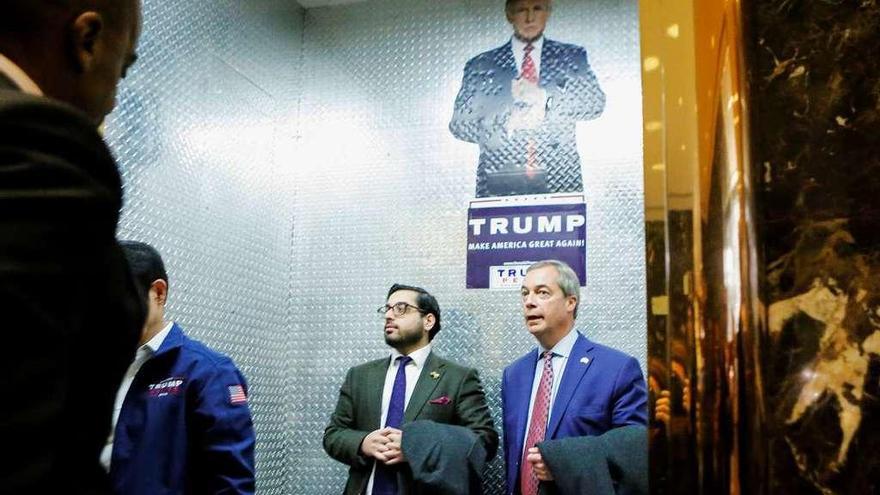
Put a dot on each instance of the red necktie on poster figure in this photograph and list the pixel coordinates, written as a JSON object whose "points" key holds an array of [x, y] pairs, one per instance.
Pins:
{"points": [[537, 426], [530, 74]]}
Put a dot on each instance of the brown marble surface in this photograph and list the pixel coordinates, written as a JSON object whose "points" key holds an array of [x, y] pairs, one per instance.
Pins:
{"points": [[815, 82]]}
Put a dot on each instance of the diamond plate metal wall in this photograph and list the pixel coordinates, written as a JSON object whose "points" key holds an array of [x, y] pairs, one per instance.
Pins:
{"points": [[383, 193], [292, 165], [204, 131]]}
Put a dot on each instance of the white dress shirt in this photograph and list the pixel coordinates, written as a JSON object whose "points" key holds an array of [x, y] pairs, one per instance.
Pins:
{"points": [[143, 354], [412, 371], [518, 48], [18, 77], [561, 352]]}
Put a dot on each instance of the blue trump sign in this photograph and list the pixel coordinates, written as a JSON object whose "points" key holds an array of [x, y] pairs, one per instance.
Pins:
{"points": [[505, 237]]}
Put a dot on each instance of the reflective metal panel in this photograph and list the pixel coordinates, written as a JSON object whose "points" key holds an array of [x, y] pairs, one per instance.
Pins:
{"points": [[291, 165], [382, 195], [203, 131]]}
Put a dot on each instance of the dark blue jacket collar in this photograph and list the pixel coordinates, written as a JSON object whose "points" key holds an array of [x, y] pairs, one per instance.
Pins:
{"points": [[175, 339]]}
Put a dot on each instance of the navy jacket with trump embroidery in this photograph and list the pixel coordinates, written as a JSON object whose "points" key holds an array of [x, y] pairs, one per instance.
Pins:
{"points": [[185, 426]]}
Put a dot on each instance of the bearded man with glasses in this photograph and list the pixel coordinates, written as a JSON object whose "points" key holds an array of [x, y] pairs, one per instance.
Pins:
{"points": [[379, 400]]}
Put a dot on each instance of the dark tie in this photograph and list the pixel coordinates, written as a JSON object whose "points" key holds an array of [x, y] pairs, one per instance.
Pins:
{"points": [[537, 426], [385, 481]]}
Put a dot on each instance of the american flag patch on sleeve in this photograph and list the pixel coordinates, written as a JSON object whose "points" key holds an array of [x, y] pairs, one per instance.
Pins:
{"points": [[236, 395]]}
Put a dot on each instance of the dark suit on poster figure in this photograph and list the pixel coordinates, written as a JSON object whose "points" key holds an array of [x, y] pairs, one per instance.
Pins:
{"points": [[527, 139], [71, 311]]}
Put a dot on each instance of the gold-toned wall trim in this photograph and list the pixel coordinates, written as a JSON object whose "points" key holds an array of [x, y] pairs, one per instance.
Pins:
{"points": [[704, 372]]}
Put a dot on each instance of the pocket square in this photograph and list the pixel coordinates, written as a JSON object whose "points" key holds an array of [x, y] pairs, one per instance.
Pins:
{"points": [[442, 400]]}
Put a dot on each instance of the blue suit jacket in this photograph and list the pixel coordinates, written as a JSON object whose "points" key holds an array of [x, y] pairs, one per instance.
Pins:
{"points": [[181, 429], [484, 105], [605, 392]]}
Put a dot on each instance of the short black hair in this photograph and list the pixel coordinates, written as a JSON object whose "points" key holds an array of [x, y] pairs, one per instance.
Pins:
{"points": [[425, 301], [146, 264]]}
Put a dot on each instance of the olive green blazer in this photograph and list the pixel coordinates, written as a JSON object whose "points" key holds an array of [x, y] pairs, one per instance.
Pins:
{"points": [[359, 408]]}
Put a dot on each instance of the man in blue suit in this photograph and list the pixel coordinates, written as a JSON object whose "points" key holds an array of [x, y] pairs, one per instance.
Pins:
{"points": [[568, 387], [520, 103]]}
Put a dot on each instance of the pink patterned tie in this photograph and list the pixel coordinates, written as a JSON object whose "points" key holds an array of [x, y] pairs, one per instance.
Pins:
{"points": [[537, 426], [529, 72]]}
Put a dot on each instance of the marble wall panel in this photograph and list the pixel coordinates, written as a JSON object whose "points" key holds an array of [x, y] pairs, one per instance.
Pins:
{"points": [[816, 118]]}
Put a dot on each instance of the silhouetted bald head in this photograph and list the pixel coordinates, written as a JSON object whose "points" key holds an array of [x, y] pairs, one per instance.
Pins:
{"points": [[75, 50]]}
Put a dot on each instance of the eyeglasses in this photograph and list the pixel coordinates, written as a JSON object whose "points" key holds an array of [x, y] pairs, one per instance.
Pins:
{"points": [[399, 309]]}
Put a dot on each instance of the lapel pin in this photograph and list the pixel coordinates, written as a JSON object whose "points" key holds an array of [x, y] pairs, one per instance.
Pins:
{"points": [[585, 360], [435, 375]]}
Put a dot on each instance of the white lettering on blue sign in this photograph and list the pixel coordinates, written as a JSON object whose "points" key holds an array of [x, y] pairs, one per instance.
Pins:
{"points": [[518, 226], [525, 225], [550, 224], [497, 226]]}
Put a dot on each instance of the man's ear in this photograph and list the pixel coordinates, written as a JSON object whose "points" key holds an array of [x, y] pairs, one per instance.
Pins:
{"points": [[160, 288], [429, 322], [85, 34], [571, 303]]}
